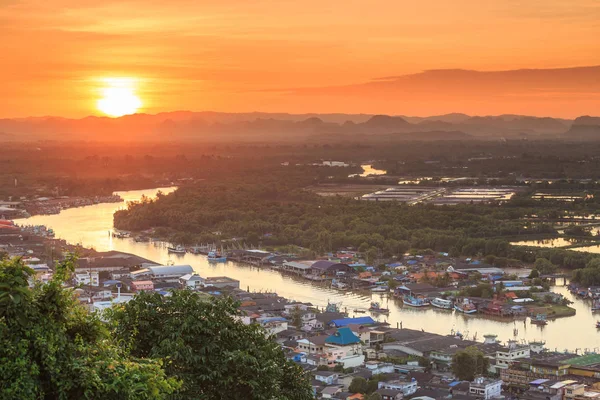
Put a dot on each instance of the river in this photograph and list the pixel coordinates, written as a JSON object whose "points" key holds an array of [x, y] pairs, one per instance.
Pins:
{"points": [[90, 226]]}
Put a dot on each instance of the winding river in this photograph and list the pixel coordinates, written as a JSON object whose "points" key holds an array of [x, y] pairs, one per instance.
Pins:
{"points": [[90, 227]]}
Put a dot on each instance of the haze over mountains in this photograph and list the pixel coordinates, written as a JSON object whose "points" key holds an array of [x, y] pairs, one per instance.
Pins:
{"points": [[210, 126]]}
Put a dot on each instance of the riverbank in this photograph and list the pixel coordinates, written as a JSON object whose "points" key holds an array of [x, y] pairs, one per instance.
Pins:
{"points": [[49, 206]]}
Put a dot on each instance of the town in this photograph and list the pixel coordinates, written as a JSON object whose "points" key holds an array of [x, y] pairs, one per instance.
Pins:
{"points": [[359, 356]]}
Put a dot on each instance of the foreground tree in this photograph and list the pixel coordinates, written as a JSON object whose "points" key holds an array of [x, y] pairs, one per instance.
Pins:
{"points": [[51, 348], [358, 385], [207, 348], [468, 363]]}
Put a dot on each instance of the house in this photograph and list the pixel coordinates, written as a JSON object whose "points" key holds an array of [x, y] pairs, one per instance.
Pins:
{"points": [[329, 268], [406, 387], [330, 392], [507, 355], [273, 325], [138, 286], [338, 323], [379, 367], [191, 281], [327, 377], [91, 278], [363, 333], [343, 347], [88, 294], [222, 282], [485, 388], [390, 394], [312, 345], [298, 267], [121, 273]]}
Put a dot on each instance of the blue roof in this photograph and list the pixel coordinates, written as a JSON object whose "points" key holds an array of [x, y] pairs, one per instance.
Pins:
{"points": [[343, 336], [347, 321], [452, 384]]}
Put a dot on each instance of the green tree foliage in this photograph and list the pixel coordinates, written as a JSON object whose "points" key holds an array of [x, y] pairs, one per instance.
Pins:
{"points": [[534, 274], [469, 363], [590, 275], [358, 385], [202, 343], [544, 266], [51, 348]]}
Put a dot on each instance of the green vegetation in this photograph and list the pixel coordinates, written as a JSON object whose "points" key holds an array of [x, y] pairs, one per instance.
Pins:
{"points": [[204, 346], [469, 363], [178, 347], [51, 348]]}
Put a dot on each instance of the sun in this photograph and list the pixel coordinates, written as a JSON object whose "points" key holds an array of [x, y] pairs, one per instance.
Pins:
{"points": [[119, 97]]}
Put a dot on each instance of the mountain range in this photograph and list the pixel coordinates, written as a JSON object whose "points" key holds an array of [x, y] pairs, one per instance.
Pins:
{"points": [[210, 126]]}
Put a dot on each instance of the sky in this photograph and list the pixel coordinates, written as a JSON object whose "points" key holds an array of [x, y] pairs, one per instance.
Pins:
{"points": [[302, 56]]}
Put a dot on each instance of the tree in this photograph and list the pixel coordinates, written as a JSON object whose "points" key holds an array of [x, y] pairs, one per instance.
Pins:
{"points": [[205, 346], [534, 274], [358, 385], [468, 363], [339, 368], [373, 396], [544, 266], [50, 347], [372, 385], [297, 317]]}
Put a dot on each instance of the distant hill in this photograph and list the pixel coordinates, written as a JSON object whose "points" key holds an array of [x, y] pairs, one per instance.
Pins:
{"points": [[584, 128], [211, 126]]}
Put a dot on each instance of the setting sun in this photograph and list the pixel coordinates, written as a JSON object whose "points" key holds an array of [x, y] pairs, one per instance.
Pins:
{"points": [[119, 97]]}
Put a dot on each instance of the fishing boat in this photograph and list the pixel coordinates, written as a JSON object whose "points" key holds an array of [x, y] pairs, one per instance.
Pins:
{"points": [[380, 289], [121, 235], [465, 306], [335, 284], [540, 319], [176, 250], [142, 239], [442, 303], [415, 301], [376, 308], [596, 305], [215, 256], [359, 311], [598, 324]]}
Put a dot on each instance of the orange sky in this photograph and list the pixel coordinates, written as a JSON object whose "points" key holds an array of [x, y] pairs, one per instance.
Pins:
{"points": [[245, 55]]}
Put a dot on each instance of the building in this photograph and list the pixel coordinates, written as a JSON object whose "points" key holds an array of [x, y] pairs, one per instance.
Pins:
{"points": [[338, 323], [87, 278], [222, 282], [165, 272], [298, 267], [327, 377], [191, 281], [312, 345], [390, 394], [406, 387], [329, 268], [507, 356], [138, 286], [484, 388], [344, 347]]}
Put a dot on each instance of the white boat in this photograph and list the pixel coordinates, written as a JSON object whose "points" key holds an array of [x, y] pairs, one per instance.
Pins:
{"points": [[442, 303], [177, 250], [415, 301]]}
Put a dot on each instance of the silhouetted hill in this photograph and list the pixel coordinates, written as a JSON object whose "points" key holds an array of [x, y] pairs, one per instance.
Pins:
{"points": [[211, 126], [584, 128]]}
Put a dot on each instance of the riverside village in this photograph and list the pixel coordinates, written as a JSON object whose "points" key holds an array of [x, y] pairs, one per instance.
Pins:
{"points": [[353, 352]]}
